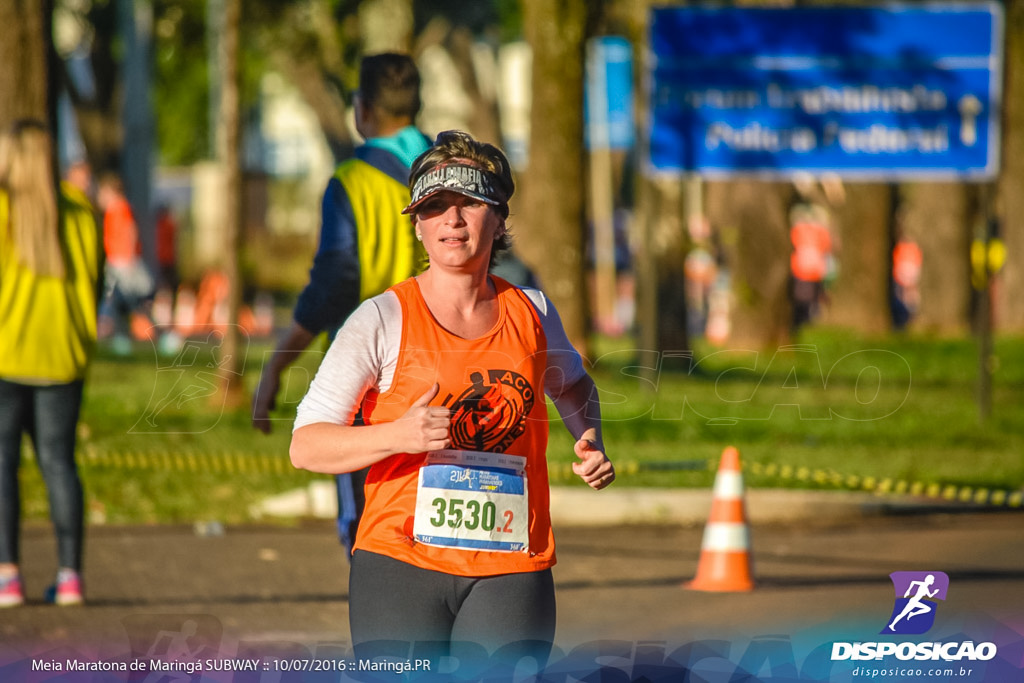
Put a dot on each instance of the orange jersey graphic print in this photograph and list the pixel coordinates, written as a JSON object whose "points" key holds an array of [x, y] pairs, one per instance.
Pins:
{"points": [[491, 413]]}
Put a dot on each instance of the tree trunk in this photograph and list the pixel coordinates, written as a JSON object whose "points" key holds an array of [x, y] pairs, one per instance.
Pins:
{"points": [[937, 217], [1009, 315], [385, 25], [550, 225], [751, 217], [659, 226], [24, 56], [229, 153], [859, 298], [98, 104], [666, 253], [659, 260]]}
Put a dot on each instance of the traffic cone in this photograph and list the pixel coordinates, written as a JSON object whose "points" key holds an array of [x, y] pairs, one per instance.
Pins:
{"points": [[724, 564]]}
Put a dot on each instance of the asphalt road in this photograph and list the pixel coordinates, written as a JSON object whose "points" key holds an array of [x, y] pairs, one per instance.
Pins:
{"points": [[283, 591]]}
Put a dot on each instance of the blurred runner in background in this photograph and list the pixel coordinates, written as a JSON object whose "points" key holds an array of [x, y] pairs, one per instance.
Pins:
{"points": [[128, 284]]}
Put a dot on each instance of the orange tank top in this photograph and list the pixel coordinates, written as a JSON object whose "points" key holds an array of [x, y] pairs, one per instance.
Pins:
{"points": [[494, 387], [811, 245], [120, 234]]}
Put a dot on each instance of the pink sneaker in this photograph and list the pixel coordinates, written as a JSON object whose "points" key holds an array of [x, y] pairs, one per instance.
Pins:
{"points": [[68, 589], [11, 594]]}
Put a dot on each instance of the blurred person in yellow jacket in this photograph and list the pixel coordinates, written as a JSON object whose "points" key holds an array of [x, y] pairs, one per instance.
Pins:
{"points": [[366, 245], [50, 269]]}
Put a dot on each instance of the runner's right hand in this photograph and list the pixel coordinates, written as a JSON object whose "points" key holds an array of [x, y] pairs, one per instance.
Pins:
{"points": [[424, 427]]}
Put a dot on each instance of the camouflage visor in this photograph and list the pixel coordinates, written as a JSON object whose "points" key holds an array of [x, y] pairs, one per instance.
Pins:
{"points": [[464, 179]]}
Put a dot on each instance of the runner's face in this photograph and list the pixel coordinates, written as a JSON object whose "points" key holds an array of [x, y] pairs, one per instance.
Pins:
{"points": [[458, 231]]}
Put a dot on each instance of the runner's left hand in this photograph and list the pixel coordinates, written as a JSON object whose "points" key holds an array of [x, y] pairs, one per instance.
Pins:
{"points": [[594, 467]]}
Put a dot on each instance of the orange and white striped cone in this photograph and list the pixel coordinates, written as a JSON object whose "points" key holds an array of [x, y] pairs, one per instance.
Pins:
{"points": [[725, 564]]}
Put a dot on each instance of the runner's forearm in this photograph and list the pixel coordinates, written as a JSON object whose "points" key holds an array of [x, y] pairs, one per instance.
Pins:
{"points": [[581, 411]]}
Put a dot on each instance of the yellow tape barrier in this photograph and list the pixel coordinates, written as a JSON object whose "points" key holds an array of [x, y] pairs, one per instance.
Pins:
{"points": [[888, 486], [220, 463], [249, 463]]}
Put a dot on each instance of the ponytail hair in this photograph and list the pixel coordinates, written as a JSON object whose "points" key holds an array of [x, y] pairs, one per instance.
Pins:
{"points": [[27, 175]]}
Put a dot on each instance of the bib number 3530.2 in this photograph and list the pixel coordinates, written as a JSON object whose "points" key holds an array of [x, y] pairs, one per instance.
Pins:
{"points": [[473, 500], [456, 512]]}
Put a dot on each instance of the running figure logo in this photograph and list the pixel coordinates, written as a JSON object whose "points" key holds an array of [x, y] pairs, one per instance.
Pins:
{"points": [[491, 412], [914, 612]]}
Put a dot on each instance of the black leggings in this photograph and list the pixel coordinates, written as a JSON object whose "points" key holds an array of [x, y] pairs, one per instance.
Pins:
{"points": [[49, 415], [459, 616]]}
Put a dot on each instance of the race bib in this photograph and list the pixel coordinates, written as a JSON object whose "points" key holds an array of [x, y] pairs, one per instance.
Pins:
{"points": [[473, 500]]}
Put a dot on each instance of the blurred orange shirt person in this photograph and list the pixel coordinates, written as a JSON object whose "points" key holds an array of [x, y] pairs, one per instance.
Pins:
{"points": [[166, 229], [120, 235], [811, 246], [906, 263]]}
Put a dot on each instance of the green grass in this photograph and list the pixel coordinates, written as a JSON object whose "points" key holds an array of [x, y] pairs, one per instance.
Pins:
{"points": [[905, 408], [830, 412]]}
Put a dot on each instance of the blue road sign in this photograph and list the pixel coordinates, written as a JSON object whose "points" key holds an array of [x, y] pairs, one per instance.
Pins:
{"points": [[608, 106], [885, 92]]}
